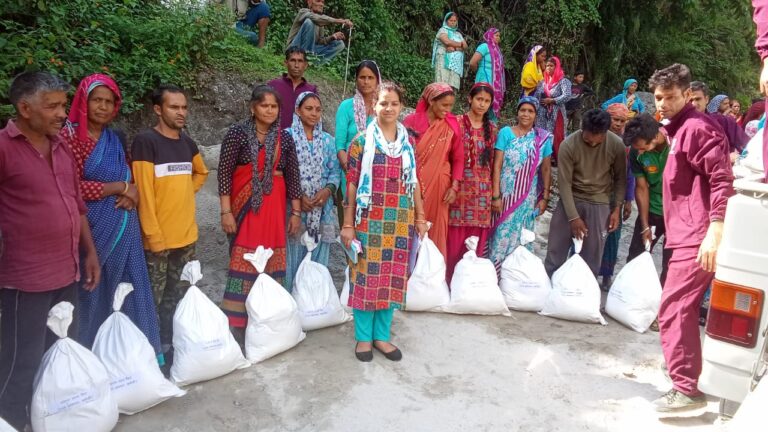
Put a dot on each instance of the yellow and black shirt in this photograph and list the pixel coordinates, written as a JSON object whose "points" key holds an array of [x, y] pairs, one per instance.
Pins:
{"points": [[168, 173]]}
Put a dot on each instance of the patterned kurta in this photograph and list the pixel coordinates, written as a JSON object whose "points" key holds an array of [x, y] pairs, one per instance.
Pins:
{"points": [[378, 280], [472, 207]]}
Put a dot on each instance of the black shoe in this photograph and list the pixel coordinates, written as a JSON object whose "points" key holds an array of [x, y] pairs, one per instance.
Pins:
{"points": [[364, 356], [394, 355]]}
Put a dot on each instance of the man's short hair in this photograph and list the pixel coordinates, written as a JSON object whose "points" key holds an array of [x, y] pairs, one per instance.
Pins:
{"points": [[678, 75], [700, 86], [643, 127], [159, 93], [295, 50], [27, 84], [596, 121]]}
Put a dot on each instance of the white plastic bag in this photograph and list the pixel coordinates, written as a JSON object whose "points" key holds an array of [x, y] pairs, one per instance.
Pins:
{"points": [[427, 288], [315, 294], [5, 427], [204, 348], [575, 294], [344, 296], [274, 324], [71, 386], [135, 377], [524, 281], [475, 286], [635, 294]]}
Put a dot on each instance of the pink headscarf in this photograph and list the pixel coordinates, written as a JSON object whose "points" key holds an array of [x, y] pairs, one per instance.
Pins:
{"points": [[420, 119], [78, 112], [550, 81], [497, 59], [429, 94], [617, 110]]}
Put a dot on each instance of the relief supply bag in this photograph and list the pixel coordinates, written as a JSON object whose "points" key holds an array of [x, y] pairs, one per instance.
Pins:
{"points": [[344, 296], [72, 391], [575, 294], [524, 281], [315, 293], [635, 294], [135, 377], [475, 286], [274, 324], [427, 288], [204, 348]]}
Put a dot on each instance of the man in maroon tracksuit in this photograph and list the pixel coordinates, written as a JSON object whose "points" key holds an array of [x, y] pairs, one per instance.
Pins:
{"points": [[697, 184]]}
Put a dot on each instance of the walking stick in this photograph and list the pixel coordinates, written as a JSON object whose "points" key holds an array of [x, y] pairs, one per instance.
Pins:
{"points": [[346, 68]]}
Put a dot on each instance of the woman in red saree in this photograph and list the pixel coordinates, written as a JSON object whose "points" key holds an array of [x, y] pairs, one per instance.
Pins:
{"points": [[439, 156], [258, 175]]}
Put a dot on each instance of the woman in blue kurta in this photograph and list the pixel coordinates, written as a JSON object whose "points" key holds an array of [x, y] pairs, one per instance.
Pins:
{"points": [[521, 179], [628, 97], [320, 175]]}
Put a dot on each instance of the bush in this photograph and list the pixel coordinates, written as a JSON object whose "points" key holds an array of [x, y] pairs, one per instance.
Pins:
{"points": [[141, 43]]}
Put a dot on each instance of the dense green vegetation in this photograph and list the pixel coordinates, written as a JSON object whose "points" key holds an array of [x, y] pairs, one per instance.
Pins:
{"points": [[144, 42]]}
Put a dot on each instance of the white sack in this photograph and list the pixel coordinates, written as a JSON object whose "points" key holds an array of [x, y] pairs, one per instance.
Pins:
{"points": [[344, 296], [274, 324], [524, 281], [315, 293], [427, 288], [135, 377], [71, 386], [475, 286], [575, 294], [5, 427], [635, 295], [204, 348]]}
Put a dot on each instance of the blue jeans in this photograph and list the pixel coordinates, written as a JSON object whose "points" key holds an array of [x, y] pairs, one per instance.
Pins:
{"points": [[305, 39], [252, 37]]}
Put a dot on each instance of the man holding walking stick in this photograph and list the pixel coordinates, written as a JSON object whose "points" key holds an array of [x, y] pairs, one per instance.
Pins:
{"points": [[308, 32]]}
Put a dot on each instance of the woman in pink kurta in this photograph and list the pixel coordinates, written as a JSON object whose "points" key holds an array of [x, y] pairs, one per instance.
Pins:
{"points": [[439, 156]]}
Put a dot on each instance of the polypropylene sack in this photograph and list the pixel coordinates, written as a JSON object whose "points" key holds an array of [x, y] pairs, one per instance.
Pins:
{"points": [[135, 377], [635, 294], [344, 296], [315, 293], [524, 281], [575, 294], [204, 348], [5, 427], [475, 286], [71, 386], [427, 288], [274, 324]]}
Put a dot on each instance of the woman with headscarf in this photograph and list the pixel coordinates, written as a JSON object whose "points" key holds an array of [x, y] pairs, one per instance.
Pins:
{"points": [[720, 104], [258, 176], [629, 98], [619, 116], [470, 214], [521, 180], [320, 176], [355, 113], [533, 70], [553, 92], [736, 112], [439, 156], [448, 52], [489, 64], [383, 210], [111, 197]]}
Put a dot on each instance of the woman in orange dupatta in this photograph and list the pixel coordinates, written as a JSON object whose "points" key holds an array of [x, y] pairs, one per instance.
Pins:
{"points": [[439, 156]]}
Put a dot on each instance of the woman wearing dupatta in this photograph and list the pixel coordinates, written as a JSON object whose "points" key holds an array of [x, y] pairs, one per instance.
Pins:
{"points": [[521, 180], [111, 197], [532, 70], [553, 92], [470, 214], [629, 98], [258, 175], [439, 156], [320, 175], [448, 52], [383, 211], [489, 63]]}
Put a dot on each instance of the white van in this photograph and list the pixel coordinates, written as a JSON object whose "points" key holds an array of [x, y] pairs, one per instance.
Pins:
{"points": [[735, 344]]}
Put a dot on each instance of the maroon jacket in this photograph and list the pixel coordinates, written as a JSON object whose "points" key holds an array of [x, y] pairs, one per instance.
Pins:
{"points": [[760, 17], [697, 178]]}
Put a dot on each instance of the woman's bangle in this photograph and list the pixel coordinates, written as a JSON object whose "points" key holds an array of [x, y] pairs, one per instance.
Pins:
{"points": [[496, 198], [347, 226], [295, 213], [127, 185], [420, 221], [226, 212], [646, 229]]}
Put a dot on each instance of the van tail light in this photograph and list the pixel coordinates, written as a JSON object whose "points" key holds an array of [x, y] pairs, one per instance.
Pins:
{"points": [[734, 313]]}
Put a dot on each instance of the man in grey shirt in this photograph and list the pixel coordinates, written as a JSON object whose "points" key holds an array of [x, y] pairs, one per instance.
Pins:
{"points": [[592, 167], [308, 32]]}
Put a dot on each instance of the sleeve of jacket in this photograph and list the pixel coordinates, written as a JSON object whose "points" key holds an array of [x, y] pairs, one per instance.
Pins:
{"points": [[144, 173], [760, 17], [710, 158]]}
